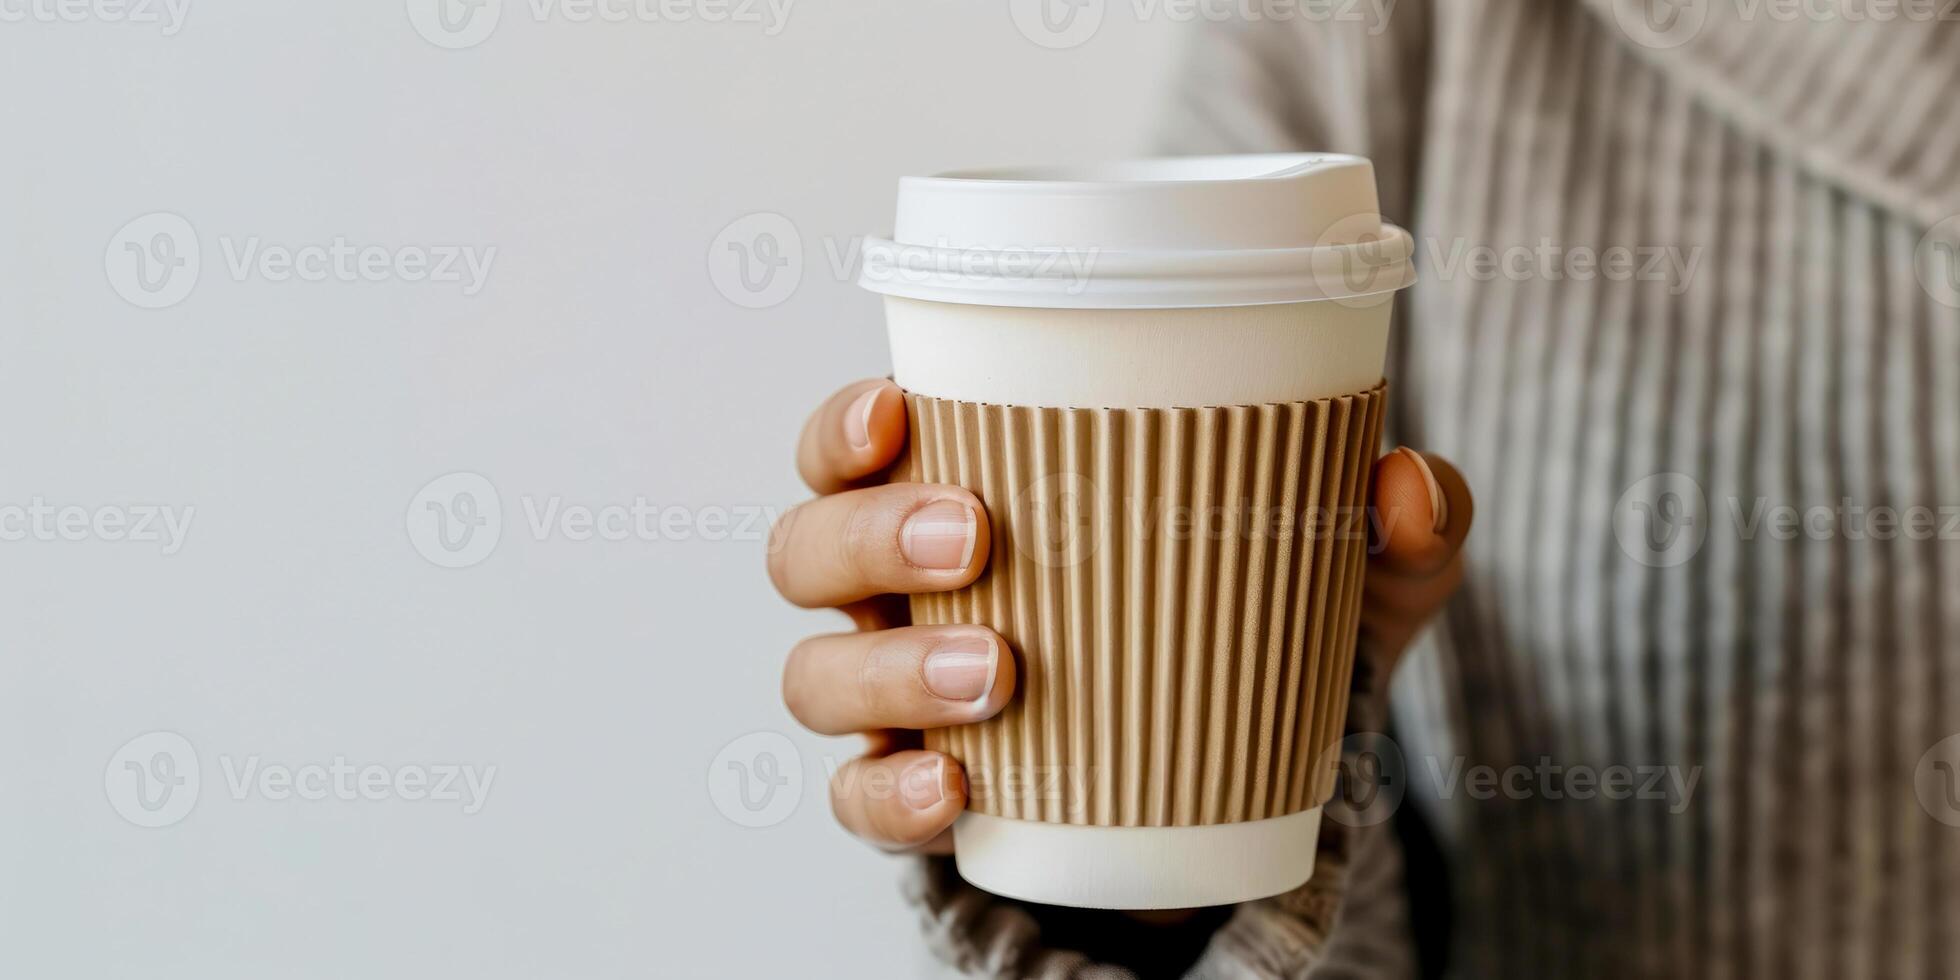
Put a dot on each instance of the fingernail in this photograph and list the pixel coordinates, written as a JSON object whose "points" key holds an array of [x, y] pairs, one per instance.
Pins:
{"points": [[857, 419], [939, 535], [962, 669], [1439, 505], [923, 783]]}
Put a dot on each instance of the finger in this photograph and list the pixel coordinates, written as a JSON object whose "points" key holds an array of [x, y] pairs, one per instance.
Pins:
{"points": [[898, 801], [885, 741], [904, 537], [880, 612], [1421, 512], [1390, 623], [854, 434], [916, 677], [1409, 596]]}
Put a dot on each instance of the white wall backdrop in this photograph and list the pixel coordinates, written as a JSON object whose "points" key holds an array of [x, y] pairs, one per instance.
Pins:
{"points": [[242, 348]]}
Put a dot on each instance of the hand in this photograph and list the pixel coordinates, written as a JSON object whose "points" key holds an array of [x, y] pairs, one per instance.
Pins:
{"points": [[862, 545], [859, 546], [1421, 511]]}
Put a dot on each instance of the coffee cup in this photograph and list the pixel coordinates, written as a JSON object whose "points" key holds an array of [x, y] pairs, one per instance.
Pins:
{"points": [[1163, 378]]}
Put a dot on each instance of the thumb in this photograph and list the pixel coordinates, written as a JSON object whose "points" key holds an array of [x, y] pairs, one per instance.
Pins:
{"points": [[1420, 512]]}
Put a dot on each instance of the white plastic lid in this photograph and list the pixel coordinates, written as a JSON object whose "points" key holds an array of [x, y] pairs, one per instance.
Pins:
{"points": [[1167, 233]]}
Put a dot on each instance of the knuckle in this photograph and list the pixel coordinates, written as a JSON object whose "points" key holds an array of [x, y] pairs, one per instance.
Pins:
{"points": [[880, 687], [858, 547], [890, 822]]}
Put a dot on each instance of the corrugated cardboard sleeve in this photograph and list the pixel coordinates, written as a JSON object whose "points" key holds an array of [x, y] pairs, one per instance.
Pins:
{"points": [[1181, 589]]}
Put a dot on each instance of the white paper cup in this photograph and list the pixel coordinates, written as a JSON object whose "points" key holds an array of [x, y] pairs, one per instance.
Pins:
{"points": [[1094, 352]]}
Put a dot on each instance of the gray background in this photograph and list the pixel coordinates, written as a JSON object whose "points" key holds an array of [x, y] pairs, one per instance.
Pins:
{"points": [[299, 622]]}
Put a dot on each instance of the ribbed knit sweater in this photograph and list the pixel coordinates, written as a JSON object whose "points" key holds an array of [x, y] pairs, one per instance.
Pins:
{"points": [[1781, 340]]}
